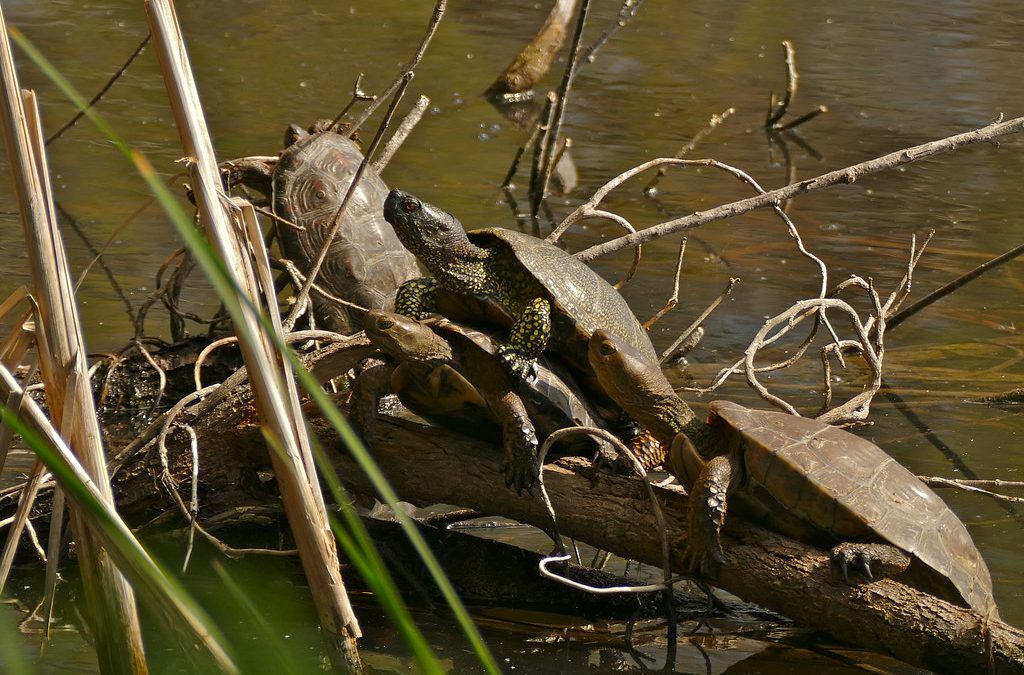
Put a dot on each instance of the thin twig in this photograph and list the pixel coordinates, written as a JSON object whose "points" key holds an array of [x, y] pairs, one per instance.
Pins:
{"points": [[357, 95], [676, 346], [435, 19], [953, 285], [409, 122], [626, 13], [673, 300], [95, 99], [775, 112], [713, 123], [563, 93]]}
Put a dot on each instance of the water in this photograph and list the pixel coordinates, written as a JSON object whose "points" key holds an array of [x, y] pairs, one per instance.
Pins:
{"points": [[892, 74]]}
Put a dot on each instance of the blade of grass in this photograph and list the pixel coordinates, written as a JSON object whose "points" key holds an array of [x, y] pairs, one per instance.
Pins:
{"points": [[219, 277], [275, 394], [110, 600], [163, 592]]}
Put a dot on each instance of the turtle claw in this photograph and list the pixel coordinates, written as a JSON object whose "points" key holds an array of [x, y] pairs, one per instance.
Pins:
{"points": [[703, 562], [869, 560], [521, 468], [519, 368]]}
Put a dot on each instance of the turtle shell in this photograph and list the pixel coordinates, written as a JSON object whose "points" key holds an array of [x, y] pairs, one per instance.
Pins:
{"points": [[550, 396], [581, 300], [366, 262], [800, 472]]}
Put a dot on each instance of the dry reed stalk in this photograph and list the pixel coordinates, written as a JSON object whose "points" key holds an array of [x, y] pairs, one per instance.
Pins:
{"points": [[111, 603], [114, 535], [274, 391]]}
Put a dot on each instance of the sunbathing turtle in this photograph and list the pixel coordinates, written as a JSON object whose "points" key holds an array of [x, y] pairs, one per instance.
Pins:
{"points": [[449, 373], [549, 294], [366, 262], [806, 479]]}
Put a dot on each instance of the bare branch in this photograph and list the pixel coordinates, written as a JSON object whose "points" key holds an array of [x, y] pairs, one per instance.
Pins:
{"points": [[846, 175]]}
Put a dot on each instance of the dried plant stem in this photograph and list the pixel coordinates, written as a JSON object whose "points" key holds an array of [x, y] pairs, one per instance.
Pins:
{"points": [[110, 600], [550, 140], [953, 285], [626, 13], [409, 122], [846, 175], [271, 377], [713, 123], [403, 73]]}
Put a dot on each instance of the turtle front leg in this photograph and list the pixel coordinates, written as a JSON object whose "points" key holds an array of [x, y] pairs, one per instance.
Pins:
{"points": [[703, 555], [527, 339], [417, 298], [519, 439]]}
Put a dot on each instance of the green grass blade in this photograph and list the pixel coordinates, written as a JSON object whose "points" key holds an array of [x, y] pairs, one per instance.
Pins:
{"points": [[221, 280]]}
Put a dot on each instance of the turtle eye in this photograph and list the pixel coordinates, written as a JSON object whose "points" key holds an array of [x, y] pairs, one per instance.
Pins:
{"points": [[384, 323], [606, 348], [409, 205]]}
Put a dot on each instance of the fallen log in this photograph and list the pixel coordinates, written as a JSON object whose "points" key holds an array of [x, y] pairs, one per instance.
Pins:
{"points": [[429, 465]]}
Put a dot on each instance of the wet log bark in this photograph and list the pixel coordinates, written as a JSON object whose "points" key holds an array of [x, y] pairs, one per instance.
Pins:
{"points": [[428, 465]]}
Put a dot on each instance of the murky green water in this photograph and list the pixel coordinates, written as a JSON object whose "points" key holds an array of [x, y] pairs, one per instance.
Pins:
{"points": [[893, 74]]}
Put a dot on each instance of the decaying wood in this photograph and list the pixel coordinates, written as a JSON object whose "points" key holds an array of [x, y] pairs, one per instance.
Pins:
{"points": [[613, 514], [534, 61]]}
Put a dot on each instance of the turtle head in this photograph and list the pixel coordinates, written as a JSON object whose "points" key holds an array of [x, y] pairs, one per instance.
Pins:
{"points": [[637, 384], [403, 338], [433, 235]]}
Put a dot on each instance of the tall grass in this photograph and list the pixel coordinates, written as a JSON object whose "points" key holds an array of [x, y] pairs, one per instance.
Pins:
{"points": [[353, 538]]}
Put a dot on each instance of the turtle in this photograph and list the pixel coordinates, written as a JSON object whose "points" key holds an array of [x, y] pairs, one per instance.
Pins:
{"points": [[449, 373], [366, 263], [801, 477], [549, 295]]}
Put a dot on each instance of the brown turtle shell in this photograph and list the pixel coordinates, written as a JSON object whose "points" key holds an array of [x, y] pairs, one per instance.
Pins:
{"points": [[806, 477], [550, 396], [581, 300], [366, 263]]}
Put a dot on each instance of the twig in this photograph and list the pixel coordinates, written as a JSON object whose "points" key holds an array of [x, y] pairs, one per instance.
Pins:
{"points": [[95, 99], [403, 73], [656, 511], [674, 298], [563, 93], [776, 111], [357, 95], [713, 123], [676, 346], [946, 289], [528, 145], [409, 122], [973, 486], [547, 121], [846, 175], [626, 13]]}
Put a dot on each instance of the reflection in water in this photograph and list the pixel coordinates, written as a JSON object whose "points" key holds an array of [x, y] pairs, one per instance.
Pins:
{"points": [[892, 76]]}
